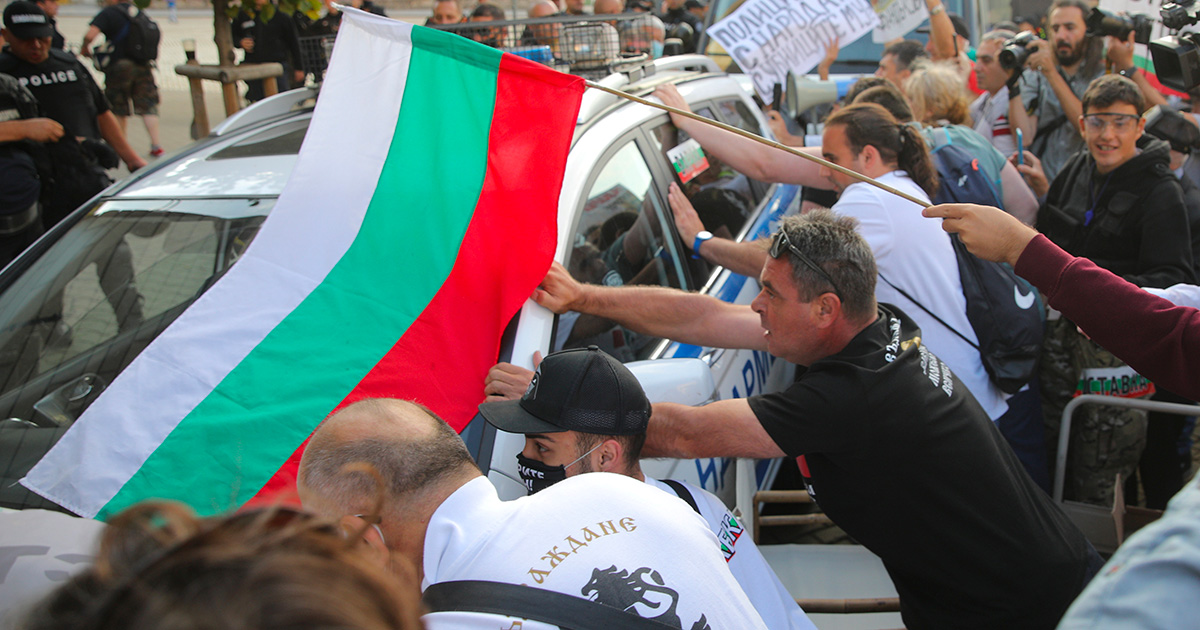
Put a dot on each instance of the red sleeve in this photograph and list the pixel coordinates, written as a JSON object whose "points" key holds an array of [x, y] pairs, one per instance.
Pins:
{"points": [[1158, 339]]}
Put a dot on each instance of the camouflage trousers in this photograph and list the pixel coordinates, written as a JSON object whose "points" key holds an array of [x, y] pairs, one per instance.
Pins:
{"points": [[1104, 440]]}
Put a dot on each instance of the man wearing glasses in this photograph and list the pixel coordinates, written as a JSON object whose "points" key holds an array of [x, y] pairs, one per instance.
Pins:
{"points": [[892, 446], [1119, 205]]}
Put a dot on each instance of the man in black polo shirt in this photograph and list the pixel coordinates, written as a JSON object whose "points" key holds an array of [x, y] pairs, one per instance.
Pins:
{"points": [[892, 446]]}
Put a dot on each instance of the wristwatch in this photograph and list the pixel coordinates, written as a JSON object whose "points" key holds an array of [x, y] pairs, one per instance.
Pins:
{"points": [[1129, 72], [701, 236]]}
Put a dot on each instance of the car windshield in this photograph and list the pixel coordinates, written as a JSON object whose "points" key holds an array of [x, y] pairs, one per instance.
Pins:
{"points": [[72, 319]]}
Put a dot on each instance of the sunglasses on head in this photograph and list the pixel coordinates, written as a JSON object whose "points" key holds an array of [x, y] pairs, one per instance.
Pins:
{"points": [[781, 243]]}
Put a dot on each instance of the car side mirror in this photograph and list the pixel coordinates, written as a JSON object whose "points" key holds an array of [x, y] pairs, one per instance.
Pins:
{"points": [[683, 381]]}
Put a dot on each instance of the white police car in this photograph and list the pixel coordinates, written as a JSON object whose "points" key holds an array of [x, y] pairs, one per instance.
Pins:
{"points": [[78, 306]]}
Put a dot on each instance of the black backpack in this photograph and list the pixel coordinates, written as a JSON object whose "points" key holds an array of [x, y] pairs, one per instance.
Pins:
{"points": [[140, 37], [1005, 311], [1006, 314]]}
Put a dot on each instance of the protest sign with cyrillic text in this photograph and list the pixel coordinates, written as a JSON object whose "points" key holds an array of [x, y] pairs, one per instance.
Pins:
{"points": [[768, 38]]}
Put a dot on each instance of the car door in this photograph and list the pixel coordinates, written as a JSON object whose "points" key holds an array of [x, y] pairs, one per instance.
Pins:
{"points": [[731, 205]]}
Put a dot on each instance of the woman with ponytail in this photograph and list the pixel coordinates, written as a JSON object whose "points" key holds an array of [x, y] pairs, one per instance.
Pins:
{"points": [[899, 146], [916, 262]]}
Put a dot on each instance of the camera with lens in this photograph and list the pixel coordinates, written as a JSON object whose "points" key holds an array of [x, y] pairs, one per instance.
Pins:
{"points": [[1101, 23], [1016, 51], [1177, 57]]}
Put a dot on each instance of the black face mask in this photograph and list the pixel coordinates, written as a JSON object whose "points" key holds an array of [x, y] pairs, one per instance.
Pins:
{"points": [[538, 476]]}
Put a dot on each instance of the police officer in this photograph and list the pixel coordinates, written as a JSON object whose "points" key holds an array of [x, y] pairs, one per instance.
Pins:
{"points": [[65, 92], [20, 186]]}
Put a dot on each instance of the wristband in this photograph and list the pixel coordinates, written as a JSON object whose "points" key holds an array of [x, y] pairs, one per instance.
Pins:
{"points": [[936, 10], [701, 236]]}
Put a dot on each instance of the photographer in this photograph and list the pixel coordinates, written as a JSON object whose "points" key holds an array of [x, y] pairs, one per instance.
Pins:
{"points": [[1054, 78], [1120, 53]]}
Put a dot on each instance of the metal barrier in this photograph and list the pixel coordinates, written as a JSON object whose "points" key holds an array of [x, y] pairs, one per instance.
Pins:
{"points": [[586, 45], [314, 54], [1064, 435]]}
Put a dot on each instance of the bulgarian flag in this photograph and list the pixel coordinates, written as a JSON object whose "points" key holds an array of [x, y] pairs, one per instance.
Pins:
{"points": [[419, 217]]}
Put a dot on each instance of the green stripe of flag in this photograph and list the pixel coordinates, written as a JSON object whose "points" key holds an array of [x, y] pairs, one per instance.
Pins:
{"points": [[407, 245]]}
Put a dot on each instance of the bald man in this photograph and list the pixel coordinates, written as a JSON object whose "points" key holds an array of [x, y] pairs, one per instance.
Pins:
{"points": [[603, 537], [545, 8], [542, 34], [608, 7]]}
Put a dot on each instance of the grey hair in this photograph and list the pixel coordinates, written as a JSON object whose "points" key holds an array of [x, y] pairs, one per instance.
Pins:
{"points": [[833, 242], [1001, 35]]}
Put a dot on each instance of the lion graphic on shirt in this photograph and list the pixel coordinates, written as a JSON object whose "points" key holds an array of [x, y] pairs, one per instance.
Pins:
{"points": [[642, 592]]}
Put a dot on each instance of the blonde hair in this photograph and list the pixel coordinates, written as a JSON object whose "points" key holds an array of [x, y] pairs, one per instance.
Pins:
{"points": [[937, 92]]}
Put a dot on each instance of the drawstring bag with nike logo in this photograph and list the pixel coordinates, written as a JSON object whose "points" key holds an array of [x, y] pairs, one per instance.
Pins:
{"points": [[1007, 315]]}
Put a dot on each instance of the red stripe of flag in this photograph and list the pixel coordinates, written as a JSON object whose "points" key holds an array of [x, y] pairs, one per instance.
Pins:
{"points": [[442, 359]]}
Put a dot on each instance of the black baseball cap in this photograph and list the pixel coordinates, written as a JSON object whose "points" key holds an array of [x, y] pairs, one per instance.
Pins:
{"points": [[27, 20], [583, 390], [960, 26]]}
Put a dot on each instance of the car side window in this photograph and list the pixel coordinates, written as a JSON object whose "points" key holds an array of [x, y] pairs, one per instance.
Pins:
{"points": [[723, 197], [619, 240]]}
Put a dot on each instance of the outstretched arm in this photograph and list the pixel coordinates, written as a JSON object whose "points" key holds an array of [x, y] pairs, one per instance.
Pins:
{"points": [[661, 312], [1149, 333], [757, 161], [727, 428], [744, 257], [988, 232]]}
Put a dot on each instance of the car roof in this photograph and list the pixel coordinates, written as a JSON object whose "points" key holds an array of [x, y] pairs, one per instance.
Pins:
{"points": [[253, 153]]}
